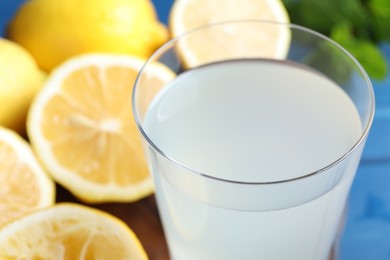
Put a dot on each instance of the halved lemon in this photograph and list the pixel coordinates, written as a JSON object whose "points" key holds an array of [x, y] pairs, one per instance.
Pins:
{"points": [[24, 185], [230, 40], [69, 231], [82, 127]]}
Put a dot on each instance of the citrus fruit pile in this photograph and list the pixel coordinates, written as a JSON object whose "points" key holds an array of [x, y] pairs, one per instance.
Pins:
{"points": [[66, 74]]}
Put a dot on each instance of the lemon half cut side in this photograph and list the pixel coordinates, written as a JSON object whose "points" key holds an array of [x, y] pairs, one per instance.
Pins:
{"points": [[69, 231], [236, 30], [82, 127], [24, 185]]}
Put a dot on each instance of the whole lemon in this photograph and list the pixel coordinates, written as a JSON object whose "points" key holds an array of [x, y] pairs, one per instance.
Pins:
{"points": [[54, 31], [20, 80]]}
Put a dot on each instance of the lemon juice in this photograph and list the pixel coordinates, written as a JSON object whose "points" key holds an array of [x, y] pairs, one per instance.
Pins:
{"points": [[250, 136]]}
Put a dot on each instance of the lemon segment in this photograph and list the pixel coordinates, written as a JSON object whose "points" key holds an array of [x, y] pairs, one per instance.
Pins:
{"points": [[82, 127]]}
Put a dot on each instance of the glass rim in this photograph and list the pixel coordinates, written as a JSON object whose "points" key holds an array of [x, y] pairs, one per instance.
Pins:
{"points": [[166, 46]]}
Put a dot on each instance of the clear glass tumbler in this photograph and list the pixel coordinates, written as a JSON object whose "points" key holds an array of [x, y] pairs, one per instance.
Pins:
{"points": [[253, 151]]}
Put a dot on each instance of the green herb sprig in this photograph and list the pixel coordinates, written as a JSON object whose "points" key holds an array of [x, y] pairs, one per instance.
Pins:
{"points": [[357, 25]]}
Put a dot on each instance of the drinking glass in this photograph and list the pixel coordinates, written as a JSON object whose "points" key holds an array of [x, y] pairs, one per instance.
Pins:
{"points": [[253, 153]]}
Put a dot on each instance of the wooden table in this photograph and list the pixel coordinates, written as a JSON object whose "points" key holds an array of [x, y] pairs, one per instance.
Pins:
{"points": [[142, 217]]}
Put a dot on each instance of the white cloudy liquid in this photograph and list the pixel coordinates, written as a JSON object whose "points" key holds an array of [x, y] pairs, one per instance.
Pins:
{"points": [[250, 121]]}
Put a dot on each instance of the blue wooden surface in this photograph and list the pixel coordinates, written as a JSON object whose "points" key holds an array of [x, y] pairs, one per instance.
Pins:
{"points": [[367, 232]]}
